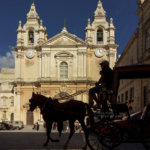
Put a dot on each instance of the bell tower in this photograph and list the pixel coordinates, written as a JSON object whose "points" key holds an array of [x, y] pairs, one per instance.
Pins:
{"points": [[100, 31], [33, 32], [29, 36], [101, 34]]}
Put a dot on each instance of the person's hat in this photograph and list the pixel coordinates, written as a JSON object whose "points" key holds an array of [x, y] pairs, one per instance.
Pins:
{"points": [[105, 62]]}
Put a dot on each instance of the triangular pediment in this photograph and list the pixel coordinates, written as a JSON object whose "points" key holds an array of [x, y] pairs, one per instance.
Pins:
{"points": [[64, 39]]}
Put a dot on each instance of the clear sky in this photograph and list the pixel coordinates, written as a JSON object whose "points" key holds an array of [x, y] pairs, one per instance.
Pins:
{"points": [[53, 13]]}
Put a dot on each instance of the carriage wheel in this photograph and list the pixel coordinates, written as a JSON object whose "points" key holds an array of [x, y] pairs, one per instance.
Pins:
{"points": [[110, 136], [94, 140]]}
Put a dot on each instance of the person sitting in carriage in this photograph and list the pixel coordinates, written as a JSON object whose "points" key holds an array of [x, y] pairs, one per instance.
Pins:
{"points": [[105, 81]]}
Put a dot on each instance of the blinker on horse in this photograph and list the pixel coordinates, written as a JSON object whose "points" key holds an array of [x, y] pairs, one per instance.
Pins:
{"points": [[53, 111]]}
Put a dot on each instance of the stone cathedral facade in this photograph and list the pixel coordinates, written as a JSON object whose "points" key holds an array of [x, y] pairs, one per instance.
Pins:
{"points": [[60, 65]]}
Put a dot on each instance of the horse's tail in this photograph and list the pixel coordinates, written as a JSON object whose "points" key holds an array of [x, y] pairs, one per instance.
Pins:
{"points": [[90, 114]]}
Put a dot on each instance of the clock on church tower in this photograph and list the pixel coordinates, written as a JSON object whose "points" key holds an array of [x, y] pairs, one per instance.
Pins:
{"points": [[30, 53], [99, 52]]}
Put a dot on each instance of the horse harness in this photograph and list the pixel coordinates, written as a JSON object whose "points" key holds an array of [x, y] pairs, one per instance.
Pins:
{"points": [[52, 103], [46, 104]]}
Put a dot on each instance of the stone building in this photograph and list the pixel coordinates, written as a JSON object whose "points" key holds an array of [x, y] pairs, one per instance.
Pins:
{"points": [[7, 102], [60, 65], [137, 52]]}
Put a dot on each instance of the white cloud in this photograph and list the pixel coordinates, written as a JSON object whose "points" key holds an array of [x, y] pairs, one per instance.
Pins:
{"points": [[7, 61]]}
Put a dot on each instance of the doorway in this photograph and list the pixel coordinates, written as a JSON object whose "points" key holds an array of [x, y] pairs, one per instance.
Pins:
{"points": [[30, 118]]}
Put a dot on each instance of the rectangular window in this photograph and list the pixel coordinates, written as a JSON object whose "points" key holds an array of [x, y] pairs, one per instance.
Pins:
{"points": [[132, 94], [64, 70], [126, 96]]}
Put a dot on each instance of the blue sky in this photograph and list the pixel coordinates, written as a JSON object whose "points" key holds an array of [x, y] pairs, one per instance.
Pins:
{"points": [[53, 13]]}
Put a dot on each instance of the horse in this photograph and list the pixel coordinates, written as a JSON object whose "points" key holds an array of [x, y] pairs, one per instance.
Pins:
{"points": [[53, 111]]}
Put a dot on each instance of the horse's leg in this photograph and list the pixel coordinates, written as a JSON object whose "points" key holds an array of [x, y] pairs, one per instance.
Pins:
{"points": [[86, 133], [71, 125], [48, 131]]}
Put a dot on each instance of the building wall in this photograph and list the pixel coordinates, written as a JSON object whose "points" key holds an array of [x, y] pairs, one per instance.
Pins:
{"points": [[137, 52], [7, 101]]}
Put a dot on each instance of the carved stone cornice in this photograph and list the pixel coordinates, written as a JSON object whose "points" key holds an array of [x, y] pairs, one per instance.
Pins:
{"points": [[63, 46], [81, 53], [45, 54]]}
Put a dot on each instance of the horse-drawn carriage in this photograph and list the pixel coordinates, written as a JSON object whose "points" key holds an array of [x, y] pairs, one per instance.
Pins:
{"points": [[109, 131], [105, 130]]}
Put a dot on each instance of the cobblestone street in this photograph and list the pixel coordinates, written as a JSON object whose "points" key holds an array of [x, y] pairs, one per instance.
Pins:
{"points": [[28, 139]]}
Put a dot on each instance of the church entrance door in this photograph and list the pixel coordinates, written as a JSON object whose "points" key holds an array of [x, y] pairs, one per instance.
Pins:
{"points": [[12, 117], [29, 118]]}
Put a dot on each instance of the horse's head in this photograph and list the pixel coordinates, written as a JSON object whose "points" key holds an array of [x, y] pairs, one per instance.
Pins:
{"points": [[33, 102]]}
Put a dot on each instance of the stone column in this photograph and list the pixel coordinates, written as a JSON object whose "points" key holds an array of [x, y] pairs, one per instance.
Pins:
{"points": [[18, 105], [57, 71], [43, 64], [84, 64], [80, 64], [18, 64], [111, 58], [49, 55], [40, 64], [47, 65]]}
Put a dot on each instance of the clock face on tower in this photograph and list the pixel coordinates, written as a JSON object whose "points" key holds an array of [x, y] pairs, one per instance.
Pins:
{"points": [[99, 52], [30, 53]]}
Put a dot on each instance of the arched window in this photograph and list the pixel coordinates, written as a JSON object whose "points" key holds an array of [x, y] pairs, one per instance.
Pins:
{"points": [[63, 70], [12, 102], [4, 102], [31, 37], [12, 117], [99, 35]]}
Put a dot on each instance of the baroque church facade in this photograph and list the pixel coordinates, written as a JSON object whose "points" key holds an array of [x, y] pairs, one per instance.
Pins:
{"points": [[61, 65]]}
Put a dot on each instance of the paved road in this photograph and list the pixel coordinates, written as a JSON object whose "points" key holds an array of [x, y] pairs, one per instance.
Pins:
{"points": [[28, 139]]}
